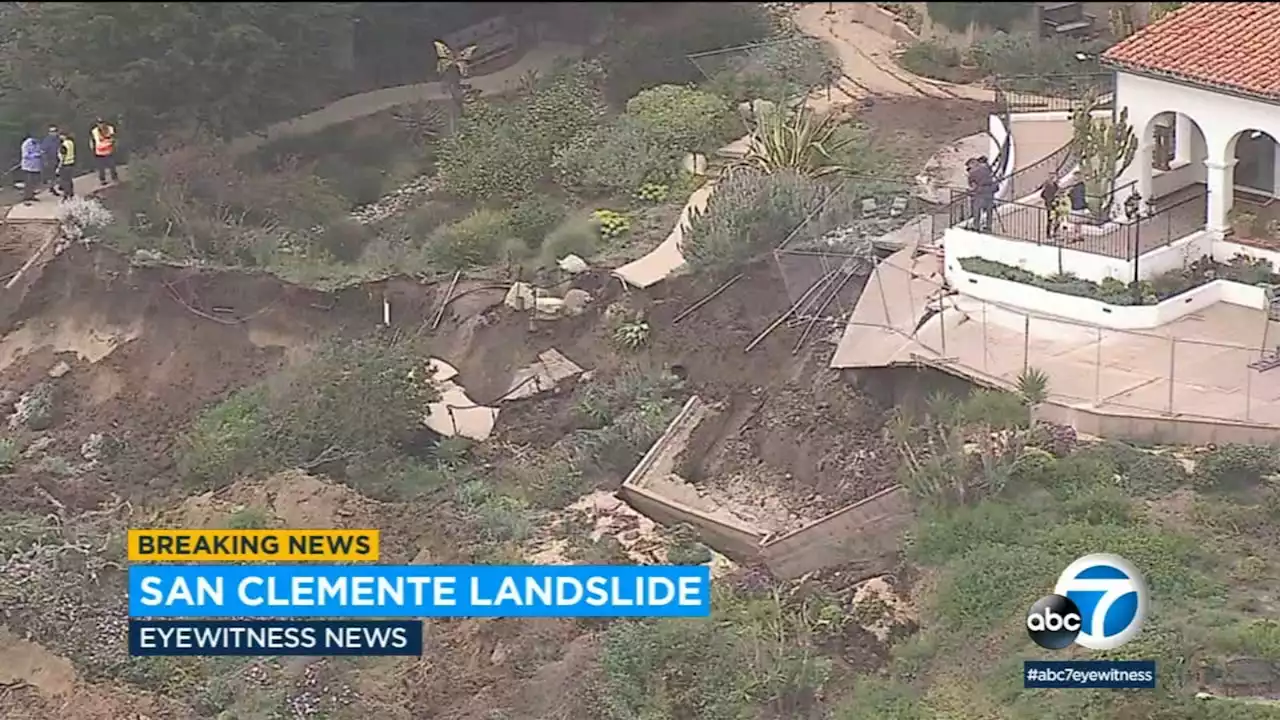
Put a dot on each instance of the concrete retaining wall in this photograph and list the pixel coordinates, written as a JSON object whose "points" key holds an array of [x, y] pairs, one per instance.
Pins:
{"points": [[865, 537], [739, 544]]}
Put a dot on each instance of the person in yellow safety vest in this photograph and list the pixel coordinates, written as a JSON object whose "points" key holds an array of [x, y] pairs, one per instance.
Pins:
{"points": [[104, 150], [66, 166]]}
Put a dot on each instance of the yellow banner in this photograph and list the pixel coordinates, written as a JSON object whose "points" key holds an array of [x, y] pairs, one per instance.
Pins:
{"points": [[277, 546]]}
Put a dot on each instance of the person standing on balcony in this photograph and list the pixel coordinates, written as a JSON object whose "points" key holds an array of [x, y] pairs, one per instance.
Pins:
{"points": [[982, 185], [1049, 194]]}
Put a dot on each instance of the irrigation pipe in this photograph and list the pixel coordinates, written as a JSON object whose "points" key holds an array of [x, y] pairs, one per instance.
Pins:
{"points": [[710, 296], [821, 282], [817, 315]]}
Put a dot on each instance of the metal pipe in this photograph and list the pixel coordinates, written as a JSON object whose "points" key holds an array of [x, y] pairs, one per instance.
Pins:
{"points": [[790, 311], [710, 296]]}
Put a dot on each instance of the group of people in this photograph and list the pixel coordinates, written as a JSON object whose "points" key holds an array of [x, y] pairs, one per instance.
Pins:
{"points": [[50, 162]]}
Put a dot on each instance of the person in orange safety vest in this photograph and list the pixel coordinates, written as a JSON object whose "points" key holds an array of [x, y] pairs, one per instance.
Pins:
{"points": [[104, 150]]}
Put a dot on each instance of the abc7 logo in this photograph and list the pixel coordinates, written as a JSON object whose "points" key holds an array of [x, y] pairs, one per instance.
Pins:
{"points": [[1054, 622]]}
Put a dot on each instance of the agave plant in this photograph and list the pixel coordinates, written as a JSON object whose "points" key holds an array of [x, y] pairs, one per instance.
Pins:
{"points": [[800, 141]]}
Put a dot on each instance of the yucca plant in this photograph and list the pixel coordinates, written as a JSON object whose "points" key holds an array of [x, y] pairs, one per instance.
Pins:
{"points": [[632, 336], [1033, 386], [800, 141]]}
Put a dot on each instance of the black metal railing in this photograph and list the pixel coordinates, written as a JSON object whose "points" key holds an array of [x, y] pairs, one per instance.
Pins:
{"points": [[1048, 93], [1165, 221]]}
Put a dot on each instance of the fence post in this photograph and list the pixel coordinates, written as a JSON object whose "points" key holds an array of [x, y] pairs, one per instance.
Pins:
{"points": [[1137, 246], [1173, 351], [1248, 392], [1026, 342], [986, 349], [1097, 372]]}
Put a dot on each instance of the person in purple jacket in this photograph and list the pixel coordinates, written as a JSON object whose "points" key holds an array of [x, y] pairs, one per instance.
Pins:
{"points": [[32, 165]]}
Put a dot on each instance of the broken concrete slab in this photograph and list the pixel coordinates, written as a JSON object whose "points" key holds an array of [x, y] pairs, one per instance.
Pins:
{"points": [[549, 370], [456, 414], [439, 371]]}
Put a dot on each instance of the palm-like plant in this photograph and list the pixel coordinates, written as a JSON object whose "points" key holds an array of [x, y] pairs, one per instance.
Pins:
{"points": [[800, 141]]}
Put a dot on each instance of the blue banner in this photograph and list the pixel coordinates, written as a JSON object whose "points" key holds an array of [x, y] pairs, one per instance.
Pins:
{"points": [[275, 637], [390, 591], [1087, 674]]}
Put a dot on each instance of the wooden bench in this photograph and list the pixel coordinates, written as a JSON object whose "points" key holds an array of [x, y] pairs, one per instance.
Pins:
{"points": [[1066, 19], [494, 39]]}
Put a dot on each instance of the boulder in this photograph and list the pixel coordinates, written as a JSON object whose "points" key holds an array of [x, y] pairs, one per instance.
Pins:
{"points": [[572, 264]]}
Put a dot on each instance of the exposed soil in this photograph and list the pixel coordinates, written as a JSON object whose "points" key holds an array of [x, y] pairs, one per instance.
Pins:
{"points": [[18, 242], [911, 129]]}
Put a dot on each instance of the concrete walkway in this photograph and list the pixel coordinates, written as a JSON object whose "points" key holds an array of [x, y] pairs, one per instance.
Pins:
{"points": [[353, 107]]}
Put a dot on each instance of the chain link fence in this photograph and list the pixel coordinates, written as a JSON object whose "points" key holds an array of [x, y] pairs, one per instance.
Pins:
{"points": [[1196, 367]]}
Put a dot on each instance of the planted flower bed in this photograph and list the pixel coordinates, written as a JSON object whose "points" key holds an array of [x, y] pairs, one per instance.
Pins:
{"points": [[1241, 269]]}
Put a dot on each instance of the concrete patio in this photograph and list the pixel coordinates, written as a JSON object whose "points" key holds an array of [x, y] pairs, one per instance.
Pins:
{"points": [[1194, 369]]}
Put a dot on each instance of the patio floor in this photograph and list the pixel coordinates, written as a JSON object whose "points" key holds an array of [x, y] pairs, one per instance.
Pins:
{"points": [[1207, 354]]}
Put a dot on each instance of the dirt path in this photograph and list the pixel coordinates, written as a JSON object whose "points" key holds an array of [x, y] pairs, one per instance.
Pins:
{"points": [[867, 58]]}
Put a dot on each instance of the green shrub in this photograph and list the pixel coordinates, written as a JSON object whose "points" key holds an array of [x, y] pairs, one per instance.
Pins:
{"points": [[616, 159], [778, 72], [1048, 66], [352, 399], [532, 218], [502, 151], [748, 213], [933, 59], [226, 438], [344, 240], [578, 235], [474, 241], [424, 219], [654, 192], [990, 585], [683, 117], [250, 518], [612, 224], [1115, 292], [492, 155], [359, 184], [1235, 466], [196, 202]]}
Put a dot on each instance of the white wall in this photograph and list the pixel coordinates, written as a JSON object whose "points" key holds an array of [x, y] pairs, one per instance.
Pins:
{"points": [[1050, 260], [999, 137], [1092, 312]]}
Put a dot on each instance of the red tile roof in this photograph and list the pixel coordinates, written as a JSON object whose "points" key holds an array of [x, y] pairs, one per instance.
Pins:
{"points": [[1231, 45]]}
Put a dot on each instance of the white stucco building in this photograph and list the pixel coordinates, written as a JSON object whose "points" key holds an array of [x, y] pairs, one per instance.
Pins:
{"points": [[1209, 76]]}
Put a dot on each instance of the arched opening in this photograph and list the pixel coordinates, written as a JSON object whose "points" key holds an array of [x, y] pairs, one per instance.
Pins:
{"points": [[1178, 153], [1255, 170], [1252, 213]]}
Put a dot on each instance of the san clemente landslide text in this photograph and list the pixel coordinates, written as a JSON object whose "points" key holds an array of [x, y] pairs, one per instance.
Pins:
{"points": [[404, 592], [253, 545]]}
